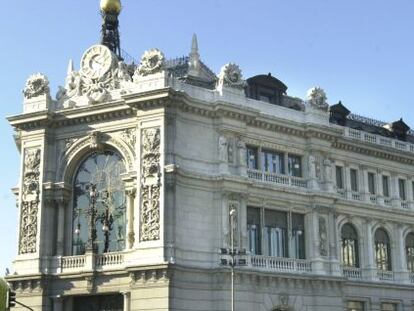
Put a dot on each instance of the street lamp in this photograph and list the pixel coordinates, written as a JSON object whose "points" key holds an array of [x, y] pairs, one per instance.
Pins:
{"points": [[91, 212], [234, 260], [107, 220]]}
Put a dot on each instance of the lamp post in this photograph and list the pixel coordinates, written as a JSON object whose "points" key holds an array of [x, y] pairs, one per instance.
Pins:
{"points": [[93, 195], [233, 215], [107, 220]]}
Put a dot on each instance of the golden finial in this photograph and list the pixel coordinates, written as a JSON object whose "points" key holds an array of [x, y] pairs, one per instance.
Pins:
{"points": [[111, 6]]}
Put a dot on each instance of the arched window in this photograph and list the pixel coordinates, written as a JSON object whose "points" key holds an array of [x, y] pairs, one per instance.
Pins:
{"points": [[98, 188], [382, 250], [349, 246], [409, 250]]}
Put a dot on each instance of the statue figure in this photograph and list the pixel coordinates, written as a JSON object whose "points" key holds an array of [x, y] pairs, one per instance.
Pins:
{"points": [[317, 98], [223, 151]]}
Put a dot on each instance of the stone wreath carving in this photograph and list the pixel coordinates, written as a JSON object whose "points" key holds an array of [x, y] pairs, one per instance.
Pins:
{"points": [[316, 97], [323, 237], [151, 62], [150, 185], [36, 85], [231, 76], [30, 202]]}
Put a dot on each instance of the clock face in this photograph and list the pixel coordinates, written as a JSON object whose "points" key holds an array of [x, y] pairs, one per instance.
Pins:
{"points": [[97, 61]]}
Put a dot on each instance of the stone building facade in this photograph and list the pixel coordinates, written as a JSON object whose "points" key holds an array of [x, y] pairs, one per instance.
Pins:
{"points": [[129, 176]]}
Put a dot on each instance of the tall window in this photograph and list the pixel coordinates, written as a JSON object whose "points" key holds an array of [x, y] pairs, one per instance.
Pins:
{"points": [[275, 238], [98, 185], [253, 230], [409, 250], [339, 177], [273, 162], [294, 165], [355, 306], [382, 250], [349, 249], [371, 183], [401, 188], [252, 158], [386, 186], [386, 306], [298, 236], [354, 180]]}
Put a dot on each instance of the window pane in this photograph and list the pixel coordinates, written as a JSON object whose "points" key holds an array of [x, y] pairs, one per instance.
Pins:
{"points": [[295, 165], [275, 233], [385, 306], [100, 172], [253, 230], [252, 158], [382, 250], [385, 186], [354, 180], [409, 250], [371, 183], [339, 177], [349, 249], [298, 236], [273, 162], [401, 187], [355, 306]]}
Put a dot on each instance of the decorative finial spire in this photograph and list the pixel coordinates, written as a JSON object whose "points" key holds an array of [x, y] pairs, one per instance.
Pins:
{"points": [[110, 10], [70, 67], [194, 58]]}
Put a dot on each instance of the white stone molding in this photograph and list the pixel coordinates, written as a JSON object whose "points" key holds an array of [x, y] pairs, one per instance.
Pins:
{"points": [[30, 202], [150, 213]]}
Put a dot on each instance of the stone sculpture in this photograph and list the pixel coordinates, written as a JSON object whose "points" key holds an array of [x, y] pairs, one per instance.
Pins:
{"points": [[231, 76], [316, 97], [152, 61], [36, 85]]}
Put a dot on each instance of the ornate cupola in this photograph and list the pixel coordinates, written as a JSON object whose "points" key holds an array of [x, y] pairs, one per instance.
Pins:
{"points": [[110, 10]]}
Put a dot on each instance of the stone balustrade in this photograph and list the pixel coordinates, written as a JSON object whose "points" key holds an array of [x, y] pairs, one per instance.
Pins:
{"points": [[281, 264], [283, 180], [352, 273], [72, 262], [109, 259]]}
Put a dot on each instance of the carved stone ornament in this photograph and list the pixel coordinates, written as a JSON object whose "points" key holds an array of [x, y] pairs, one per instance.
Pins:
{"points": [[316, 97], [100, 74], [151, 62], [95, 140], [231, 76], [36, 85], [223, 149], [30, 202], [130, 137], [150, 185], [323, 237]]}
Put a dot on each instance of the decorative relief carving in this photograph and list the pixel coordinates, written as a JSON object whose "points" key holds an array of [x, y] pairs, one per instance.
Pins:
{"points": [[223, 149], [150, 184], [100, 74], [36, 85], [94, 139], [323, 237], [30, 202], [151, 62], [231, 76], [233, 212], [130, 137], [327, 170], [317, 98]]}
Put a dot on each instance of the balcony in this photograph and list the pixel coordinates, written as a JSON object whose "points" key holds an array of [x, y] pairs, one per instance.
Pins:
{"points": [[352, 273], [385, 275], [101, 261], [278, 179], [379, 140], [281, 264]]}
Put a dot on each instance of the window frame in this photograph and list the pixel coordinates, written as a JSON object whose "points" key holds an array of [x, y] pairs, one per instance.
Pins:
{"points": [[353, 179], [372, 183]]}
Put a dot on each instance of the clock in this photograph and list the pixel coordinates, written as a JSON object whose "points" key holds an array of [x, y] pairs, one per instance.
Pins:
{"points": [[97, 61]]}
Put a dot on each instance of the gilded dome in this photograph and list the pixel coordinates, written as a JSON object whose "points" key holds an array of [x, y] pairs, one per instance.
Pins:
{"points": [[111, 6]]}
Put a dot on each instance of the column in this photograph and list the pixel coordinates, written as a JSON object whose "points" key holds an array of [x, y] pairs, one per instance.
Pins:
{"points": [[398, 256], [395, 193], [130, 194], [410, 193], [363, 183], [333, 250], [60, 243], [369, 268], [347, 182], [379, 188], [127, 301]]}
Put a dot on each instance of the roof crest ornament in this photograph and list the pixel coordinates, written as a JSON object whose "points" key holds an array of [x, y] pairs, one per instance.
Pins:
{"points": [[194, 58]]}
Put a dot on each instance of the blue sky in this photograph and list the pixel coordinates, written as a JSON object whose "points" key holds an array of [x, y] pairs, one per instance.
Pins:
{"points": [[360, 52]]}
